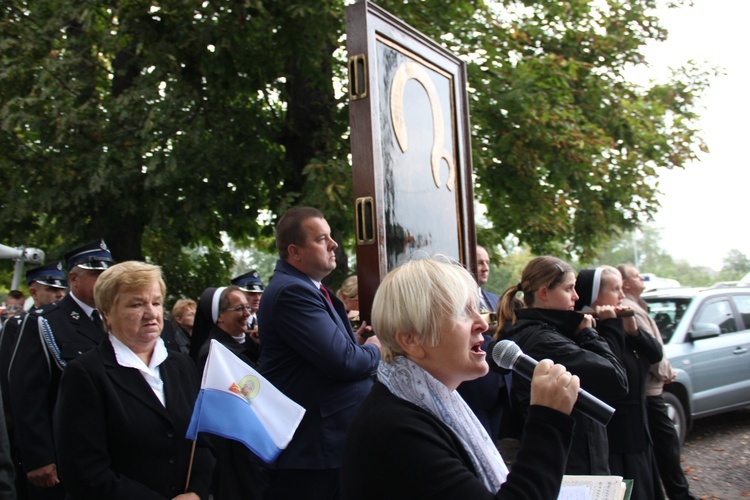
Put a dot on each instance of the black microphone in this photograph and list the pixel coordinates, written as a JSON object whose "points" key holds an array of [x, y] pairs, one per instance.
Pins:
{"points": [[509, 356]]}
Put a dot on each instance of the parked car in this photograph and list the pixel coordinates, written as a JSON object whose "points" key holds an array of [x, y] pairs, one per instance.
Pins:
{"points": [[707, 340], [654, 282]]}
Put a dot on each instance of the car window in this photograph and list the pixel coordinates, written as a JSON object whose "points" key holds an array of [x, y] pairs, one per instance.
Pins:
{"points": [[718, 313], [743, 306], [667, 314]]}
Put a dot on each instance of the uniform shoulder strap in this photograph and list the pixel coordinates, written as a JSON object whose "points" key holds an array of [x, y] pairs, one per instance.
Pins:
{"points": [[50, 344]]}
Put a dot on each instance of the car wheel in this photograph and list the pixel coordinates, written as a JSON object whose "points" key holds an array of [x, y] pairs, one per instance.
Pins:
{"points": [[676, 413]]}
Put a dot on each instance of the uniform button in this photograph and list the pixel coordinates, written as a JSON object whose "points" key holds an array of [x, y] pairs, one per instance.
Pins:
{"points": [[171, 460], [170, 434]]}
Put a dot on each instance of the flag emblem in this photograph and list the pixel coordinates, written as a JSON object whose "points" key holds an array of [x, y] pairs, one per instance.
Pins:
{"points": [[248, 387]]}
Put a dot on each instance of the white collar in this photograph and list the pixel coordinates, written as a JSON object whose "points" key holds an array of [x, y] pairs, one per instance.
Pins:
{"points": [[241, 339], [127, 358]]}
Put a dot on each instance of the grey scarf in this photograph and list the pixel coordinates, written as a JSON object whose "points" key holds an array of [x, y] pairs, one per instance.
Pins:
{"points": [[409, 381]]}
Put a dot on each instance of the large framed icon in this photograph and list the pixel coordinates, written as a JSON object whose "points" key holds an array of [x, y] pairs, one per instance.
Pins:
{"points": [[411, 150]]}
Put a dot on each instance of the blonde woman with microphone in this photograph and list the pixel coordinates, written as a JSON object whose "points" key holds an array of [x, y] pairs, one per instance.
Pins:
{"points": [[414, 436]]}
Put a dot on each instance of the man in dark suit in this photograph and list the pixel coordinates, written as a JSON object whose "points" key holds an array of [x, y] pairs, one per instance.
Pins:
{"points": [[489, 300], [51, 337], [311, 354]]}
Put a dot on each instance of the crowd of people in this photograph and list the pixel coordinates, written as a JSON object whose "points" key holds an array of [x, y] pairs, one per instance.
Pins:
{"points": [[98, 387]]}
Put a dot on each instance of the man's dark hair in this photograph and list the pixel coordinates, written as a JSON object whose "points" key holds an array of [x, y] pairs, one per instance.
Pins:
{"points": [[16, 294], [289, 230]]}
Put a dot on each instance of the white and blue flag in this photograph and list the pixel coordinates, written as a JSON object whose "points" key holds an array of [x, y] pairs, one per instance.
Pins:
{"points": [[237, 403]]}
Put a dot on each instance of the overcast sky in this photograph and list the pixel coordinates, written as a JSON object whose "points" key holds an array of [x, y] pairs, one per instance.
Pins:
{"points": [[705, 207]]}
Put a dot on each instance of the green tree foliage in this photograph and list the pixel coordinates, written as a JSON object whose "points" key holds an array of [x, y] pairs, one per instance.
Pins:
{"points": [[736, 265], [652, 258], [506, 270], [736, 261], [689, 275], [635, 247], [253, 258], [161, 125], [565, 149]]}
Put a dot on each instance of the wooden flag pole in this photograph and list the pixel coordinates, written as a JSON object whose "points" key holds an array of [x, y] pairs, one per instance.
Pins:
{"points": [[190, 466]]}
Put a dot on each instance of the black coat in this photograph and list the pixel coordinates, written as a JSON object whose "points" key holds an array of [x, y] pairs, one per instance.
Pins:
{"points": [[8, 341], [630, 446], [628, 429], [549, 334], [34, 376], [397, 450], [115, 439]]}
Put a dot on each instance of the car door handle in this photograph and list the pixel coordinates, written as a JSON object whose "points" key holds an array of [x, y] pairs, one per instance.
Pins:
{"points": [[739, 350]]}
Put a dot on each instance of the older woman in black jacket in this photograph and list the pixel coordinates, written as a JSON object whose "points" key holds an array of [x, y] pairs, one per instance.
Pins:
{"points": [[124, 407], [414, 436]]}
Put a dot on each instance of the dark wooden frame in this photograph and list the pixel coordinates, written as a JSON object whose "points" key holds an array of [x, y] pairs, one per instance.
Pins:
{"points": [[369, 29]]}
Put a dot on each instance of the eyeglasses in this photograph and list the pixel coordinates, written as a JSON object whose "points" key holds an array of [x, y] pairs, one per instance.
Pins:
{"points": [[240, 309]]}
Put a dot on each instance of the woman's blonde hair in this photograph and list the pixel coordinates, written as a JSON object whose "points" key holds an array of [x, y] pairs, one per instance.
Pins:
{"points": [[423, 297], [128, 276], [180, 309], [348, 288], [182, 306]]}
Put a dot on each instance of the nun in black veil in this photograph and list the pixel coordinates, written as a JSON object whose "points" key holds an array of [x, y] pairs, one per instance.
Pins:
{"points": [[631, 452], [222, 313], [230, 312], [205, 319]]}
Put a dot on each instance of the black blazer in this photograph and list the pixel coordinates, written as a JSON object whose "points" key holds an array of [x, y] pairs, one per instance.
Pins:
{"points": [[397, 450], [8, 341], [34, 376], [114, 438]]}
